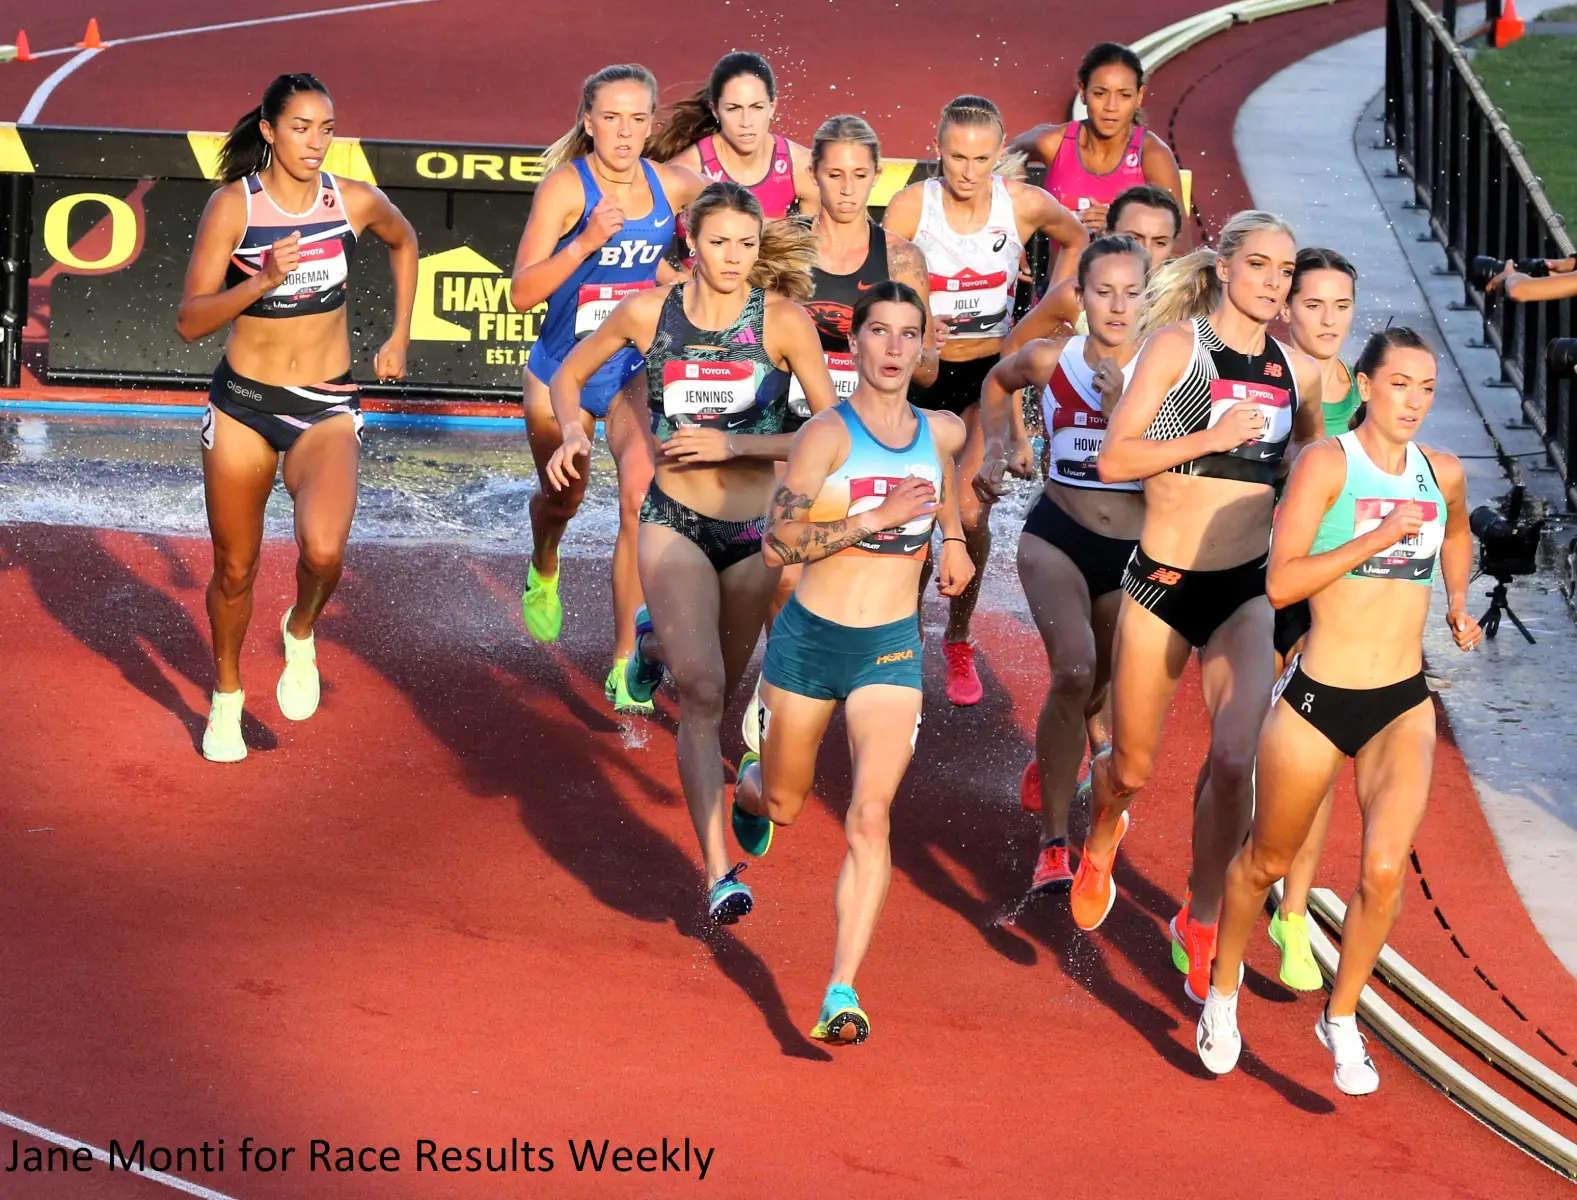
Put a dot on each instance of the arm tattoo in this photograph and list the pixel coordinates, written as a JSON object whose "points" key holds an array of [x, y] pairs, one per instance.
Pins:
{"points": [[818, 539], [903, 257]]}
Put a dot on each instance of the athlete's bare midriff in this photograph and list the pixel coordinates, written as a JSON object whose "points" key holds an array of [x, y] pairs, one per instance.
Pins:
{"points": [[1110, 514], [740, 490], [861, 590], [1197, 523], [1367, 632], [290, 351]]}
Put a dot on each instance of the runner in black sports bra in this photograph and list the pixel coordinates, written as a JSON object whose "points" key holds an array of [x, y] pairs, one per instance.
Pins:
{"points": [[271, 260], [1215, 410]]}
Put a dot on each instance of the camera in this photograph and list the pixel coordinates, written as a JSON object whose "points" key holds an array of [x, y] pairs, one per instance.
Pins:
{"points": [[1508, 546], [1560, 356], [1484, 267]]}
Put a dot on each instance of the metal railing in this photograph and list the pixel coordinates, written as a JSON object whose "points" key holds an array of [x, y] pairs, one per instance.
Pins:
{"points": [[1469, 175]]}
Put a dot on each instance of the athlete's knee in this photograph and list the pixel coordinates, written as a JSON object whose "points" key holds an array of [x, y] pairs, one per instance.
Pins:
{"points": [[1261, 865], [1129, 769], [1382, 879], [558, 503], [868, 824], [1230, 771], [783, 804], [700, 690], [320, 555], [234, 573], [1073, 679]]}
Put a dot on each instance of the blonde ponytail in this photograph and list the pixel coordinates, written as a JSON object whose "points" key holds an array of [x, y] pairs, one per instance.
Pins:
{"points": [[577, 142], [788, 252], [1189, 287]]}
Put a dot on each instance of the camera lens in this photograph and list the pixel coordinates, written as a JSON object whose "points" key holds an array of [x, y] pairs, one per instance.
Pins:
{"points": [[1488, 525], [1484, 267], [1561, 356]]}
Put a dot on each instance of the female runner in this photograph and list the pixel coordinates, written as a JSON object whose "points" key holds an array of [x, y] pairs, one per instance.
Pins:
{"points": [[600, 222], [1082, 531], [719, 350], [1319, 315], [1089, 162], [1366, 517], [270, 260], [1215, 407], [725, 132], [864, 485], [971, 225]]}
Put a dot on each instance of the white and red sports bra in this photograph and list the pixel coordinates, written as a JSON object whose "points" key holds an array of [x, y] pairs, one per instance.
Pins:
{"points": [[1071, 406], [973, 275], [319, 282]]}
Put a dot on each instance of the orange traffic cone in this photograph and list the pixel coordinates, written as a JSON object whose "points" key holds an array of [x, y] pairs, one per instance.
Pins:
{"points": [[90, 40], [24, 52], [1509, 28]]}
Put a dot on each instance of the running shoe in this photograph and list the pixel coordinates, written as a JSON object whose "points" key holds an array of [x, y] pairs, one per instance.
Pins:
{"points": [[299, 690], [1052, 871], [1198, 943], [642, 678], [729, 899], [1085, 792], [753, 833], [842, 1019], [750, 727], [963, 684], [1029, 788], [1093, 893], [222, 741], [1217, 1039], [619, 695], [1355, 1073], [1299, 971], [540, 607], [1180, 955]]}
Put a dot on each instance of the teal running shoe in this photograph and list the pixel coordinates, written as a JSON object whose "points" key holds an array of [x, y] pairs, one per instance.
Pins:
{"points": [[642, 678], [729, 899], [842, 1019], [753, 833]]}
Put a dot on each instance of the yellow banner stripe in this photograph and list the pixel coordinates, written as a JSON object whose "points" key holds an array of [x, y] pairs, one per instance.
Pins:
{"points": [[894, 177], [346, 158], [13, 154]]}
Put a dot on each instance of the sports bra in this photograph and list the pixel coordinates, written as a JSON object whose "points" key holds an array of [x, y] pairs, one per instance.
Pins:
{"points": [[865, 477], [319, 282], [626, 263], [831, 307], [776, 189], [1076, 187], [973, 275], [1339, 412], [1368, 495], [716, 378], [1071, 407], [1216, 378]]}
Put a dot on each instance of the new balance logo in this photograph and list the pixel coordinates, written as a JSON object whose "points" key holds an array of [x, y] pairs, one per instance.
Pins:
{"points": [[1165, 576], [1273, 370]]}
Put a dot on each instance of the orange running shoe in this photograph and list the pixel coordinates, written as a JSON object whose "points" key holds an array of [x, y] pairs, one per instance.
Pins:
{"points": [[1199, 942], [1093, 892], [1029, 788], [1052, 872]]}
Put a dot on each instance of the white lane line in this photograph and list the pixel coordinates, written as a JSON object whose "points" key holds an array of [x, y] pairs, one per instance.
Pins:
{"points": [[169, 1181], [35, 102]]}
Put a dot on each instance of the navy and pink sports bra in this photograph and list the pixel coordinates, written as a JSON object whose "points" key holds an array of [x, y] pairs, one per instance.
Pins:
{"points": [[318, 284]]}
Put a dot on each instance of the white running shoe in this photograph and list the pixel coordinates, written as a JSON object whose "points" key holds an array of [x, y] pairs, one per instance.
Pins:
{"points": [[1355, 1073], [298, 688], [751, 725], [1218, 1041], [222, 741]]}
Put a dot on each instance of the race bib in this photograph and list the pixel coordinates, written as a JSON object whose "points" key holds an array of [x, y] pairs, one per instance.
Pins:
{"points": [[596, 300], [969, 297], [844, 380], [321, 268], [1076, 444], [718, 395], [1411, 558], [1275, 407], [869, 491]]}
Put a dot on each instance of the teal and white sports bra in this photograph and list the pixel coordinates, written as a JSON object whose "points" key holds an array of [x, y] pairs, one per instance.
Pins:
{"points": [[1368, 495]]}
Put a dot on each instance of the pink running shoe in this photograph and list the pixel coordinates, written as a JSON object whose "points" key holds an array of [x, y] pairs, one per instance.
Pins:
{"points": [[963, 685]]}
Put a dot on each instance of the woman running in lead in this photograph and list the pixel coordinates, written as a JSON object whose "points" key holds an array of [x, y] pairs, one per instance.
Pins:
{"points": [[1089, 162], [600, 221], [971, 225], [271, 260], [724, 132], [1081, 532], [719, 350], [864, 485], [1215, 408], [1319, 315], [1366, 519]]}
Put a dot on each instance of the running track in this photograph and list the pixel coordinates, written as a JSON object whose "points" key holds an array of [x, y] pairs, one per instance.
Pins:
{"points": [[461, 904]]}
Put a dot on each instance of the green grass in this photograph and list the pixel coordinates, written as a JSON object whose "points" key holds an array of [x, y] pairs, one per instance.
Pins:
{"points": [[1569, 13], [1534, 83]]}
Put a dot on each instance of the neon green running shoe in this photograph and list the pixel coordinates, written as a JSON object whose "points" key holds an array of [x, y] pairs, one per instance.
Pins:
{"points": [[619, 694], [842, 1019], [753, 833], [1179, 951], [540, 607], [1299, 971]]}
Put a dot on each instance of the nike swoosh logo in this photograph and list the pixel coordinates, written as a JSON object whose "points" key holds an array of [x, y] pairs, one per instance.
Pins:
{"points": [[1420, 572], [864, 287], [664, 221]]}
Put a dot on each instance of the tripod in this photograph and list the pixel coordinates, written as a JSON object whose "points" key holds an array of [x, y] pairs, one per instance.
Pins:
{"points": [[1490, 621]]}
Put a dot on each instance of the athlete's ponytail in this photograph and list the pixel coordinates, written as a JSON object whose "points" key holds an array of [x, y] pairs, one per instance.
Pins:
{"points": [[246, 151], [787, 249], [1375, 352], [685, 122], [844, 128], [1190, 287], [577, 142], [978, 111]]}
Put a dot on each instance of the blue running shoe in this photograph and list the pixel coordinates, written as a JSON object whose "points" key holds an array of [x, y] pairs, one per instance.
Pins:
{"points": [[753, 833], [842, 1019], [642, 678], [729, 899]]}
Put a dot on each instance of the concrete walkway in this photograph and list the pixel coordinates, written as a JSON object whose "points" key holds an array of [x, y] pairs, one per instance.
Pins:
{"points": [[1311, 147]]}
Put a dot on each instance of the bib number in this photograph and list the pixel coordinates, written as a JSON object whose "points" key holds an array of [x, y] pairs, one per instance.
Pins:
{"points": [[1275, 409], [1411, 558], [717, 395], [596, 300], [844, 380]]}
